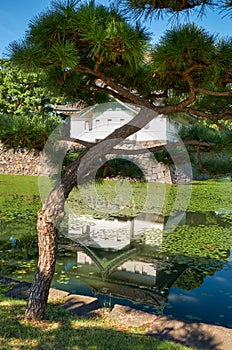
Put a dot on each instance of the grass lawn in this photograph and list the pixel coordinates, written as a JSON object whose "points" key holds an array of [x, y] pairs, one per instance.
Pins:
{"points": [[20, 195], [63, 330]]}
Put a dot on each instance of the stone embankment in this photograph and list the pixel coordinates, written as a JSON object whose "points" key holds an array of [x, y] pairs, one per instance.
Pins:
{"points": [[153, 171], [20, 161]]}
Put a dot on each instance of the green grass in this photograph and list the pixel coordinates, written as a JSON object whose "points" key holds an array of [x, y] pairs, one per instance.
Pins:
{"points": [[65, 331], [19, 194], [200, 196], [19, 197], [19, 185]]}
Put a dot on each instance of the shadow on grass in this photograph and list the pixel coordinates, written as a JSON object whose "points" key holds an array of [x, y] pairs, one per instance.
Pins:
{"points": [[63, 331]]}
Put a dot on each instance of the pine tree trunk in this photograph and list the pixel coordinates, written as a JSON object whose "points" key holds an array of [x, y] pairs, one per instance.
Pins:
{"points": [[47, 242]]}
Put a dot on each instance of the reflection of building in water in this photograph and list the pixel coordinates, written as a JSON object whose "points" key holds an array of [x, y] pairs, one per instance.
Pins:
{"points": [[129, 275], [114, 234], [126, 268], [110, 262], [140, 273], [119, 233]]}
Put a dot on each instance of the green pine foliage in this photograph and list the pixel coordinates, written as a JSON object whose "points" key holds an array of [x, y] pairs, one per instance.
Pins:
{"points": [[200, 132], [159, 8], [85, 35], [26, 131], [182, 47]]}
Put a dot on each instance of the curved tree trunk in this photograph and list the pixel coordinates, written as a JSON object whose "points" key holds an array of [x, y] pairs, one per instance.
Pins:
{"points": [[47, 243], [52, 212]]}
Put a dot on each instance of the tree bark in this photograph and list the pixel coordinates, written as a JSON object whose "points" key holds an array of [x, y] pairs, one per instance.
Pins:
{"points": [[47, 243]]}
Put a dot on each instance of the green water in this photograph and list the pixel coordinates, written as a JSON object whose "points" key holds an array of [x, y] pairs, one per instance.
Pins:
{"points": [[192, 272]]}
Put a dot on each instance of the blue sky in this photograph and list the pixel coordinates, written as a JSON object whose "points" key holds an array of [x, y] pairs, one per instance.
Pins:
{"points": [[16, 14]]}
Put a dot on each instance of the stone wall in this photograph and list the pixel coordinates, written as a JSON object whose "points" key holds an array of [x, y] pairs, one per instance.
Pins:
{"points": [[23, 162], [152, 170], [180, 176], [18, 161]]}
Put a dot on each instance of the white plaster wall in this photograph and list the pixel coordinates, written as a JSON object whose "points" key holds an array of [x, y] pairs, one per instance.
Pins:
{"points": [[172, 130], [153, 131], [105, 123]]}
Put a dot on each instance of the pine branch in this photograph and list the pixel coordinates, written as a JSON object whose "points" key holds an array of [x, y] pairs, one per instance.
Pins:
{"points": [[213, 93], [158, 148]]}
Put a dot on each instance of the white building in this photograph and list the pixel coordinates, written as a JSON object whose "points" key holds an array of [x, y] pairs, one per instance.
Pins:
{"points": [[95, 123]]}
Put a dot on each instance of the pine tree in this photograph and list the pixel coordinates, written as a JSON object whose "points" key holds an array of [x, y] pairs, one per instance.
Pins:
{"points": [[88, 51]]}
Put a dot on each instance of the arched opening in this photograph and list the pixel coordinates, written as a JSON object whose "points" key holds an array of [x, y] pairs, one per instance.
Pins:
{"points": [[120, 168]]}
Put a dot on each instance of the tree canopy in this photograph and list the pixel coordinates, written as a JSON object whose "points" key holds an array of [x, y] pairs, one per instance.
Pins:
{"points": [[161, 8], [88, 50]]}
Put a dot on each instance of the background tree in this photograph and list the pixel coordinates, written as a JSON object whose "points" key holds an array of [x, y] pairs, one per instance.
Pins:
{"points": [[87, 51], [27, 115], [23, 93]]}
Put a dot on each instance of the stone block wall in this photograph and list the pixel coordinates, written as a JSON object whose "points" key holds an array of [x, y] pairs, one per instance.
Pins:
{"points": [[18, 161], [24, 162], [153, 171], [179, 176]]}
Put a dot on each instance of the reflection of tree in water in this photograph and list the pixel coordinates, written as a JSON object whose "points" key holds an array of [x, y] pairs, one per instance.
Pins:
{"points": [[192, 269], [203, 245], [207, 218], [199, 268], [190, 279]]}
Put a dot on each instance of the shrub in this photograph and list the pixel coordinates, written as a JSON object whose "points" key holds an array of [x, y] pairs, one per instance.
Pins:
{"points": [[26, 131]]}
